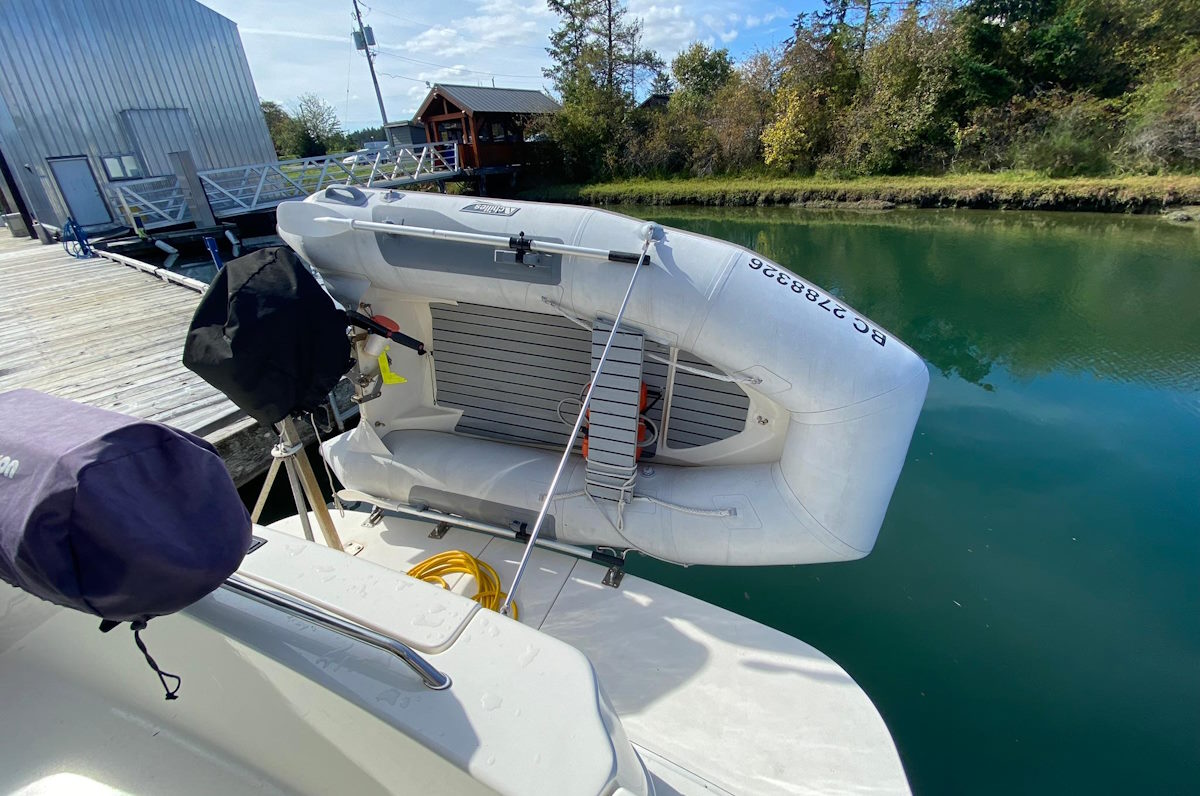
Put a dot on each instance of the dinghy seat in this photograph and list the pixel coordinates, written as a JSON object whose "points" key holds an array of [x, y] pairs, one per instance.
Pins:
{"points": [[482, 479]]}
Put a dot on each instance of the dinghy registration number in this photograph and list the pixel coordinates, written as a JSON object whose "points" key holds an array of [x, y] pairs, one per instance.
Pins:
{"points": [[835, 310]]}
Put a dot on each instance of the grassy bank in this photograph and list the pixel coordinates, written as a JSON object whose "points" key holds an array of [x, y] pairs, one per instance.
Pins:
{"points": [[1009, 190]]}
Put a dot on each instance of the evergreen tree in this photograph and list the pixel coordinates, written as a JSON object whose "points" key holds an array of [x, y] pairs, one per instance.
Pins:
{"points": [[569, 42], [598, 64]]}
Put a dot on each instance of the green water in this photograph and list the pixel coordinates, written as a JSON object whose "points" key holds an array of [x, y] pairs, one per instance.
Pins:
{"points": [[1030, 618]]}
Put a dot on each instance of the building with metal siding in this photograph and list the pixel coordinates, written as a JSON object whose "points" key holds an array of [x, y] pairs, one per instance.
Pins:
{"points": [[111, 87]]}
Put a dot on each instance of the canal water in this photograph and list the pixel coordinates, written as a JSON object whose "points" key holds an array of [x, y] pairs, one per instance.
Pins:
{"points": [[1029, 621]]}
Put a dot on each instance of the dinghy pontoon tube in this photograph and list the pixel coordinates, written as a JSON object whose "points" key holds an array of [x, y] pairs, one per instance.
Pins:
{"points": [[831, 398]]}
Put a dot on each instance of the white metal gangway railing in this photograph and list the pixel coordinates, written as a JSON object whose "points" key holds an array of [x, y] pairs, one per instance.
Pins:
{"points": [[160, 201]]}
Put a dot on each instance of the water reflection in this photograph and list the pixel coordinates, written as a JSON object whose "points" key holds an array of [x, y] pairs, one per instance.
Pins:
{"points": [[971, 290], [1031, 610]]}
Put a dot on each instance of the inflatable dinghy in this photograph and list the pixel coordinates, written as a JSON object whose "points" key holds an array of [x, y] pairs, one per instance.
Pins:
{"points": [[743, 415]]}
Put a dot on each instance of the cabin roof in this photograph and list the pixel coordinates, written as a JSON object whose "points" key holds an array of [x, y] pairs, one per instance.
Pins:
{"points": [[484, 99], [657, 100]]}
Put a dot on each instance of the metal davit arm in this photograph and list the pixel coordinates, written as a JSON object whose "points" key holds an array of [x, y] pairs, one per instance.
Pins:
{"points": [[301, 609]]}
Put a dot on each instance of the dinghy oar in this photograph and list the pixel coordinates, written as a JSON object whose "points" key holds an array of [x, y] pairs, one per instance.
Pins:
{"points": [[649, 231], [518, 243]]}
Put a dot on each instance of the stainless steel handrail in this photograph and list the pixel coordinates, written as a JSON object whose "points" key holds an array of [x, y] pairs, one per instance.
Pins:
{"points": [[426, 513], [429, 675]]}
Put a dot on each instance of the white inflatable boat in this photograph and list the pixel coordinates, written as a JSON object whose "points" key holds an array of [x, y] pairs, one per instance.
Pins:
{"points": [[744, 416]]}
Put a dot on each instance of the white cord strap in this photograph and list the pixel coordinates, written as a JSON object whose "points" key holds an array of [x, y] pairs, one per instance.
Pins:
{"points": [[712, 374]]}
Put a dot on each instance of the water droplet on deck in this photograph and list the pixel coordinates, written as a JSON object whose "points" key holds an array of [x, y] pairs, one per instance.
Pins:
{"points": [[491, 760], [327, 573], [393, 696], [428, 620], [528, 655], [490, 701]]}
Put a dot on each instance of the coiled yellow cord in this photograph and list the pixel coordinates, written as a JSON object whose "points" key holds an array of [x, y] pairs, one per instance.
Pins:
{"points": [[436, 569]]}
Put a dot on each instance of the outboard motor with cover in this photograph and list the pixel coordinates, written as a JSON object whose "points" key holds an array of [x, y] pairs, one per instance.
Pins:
{"points": [[122, 518], [268, 336]]}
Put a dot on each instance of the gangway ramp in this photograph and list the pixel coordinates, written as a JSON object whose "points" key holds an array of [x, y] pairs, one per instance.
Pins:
{"points": [[161, 201]]}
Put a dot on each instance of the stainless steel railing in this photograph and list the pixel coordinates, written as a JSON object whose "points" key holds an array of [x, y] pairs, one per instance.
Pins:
{"points": [[159, 201], [294, 606]]}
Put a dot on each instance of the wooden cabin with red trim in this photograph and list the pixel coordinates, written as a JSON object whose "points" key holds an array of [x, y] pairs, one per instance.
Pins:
{"points": [[490, 124]]}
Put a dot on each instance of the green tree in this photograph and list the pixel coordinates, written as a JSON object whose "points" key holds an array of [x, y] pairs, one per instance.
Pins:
{"points": [[741, 110], [569, 42], [900, 115], [793, 140], [662, 83], [359, 137], [597, 65], [319, 119], [1163, 133], [700, 72], [280, 125]]}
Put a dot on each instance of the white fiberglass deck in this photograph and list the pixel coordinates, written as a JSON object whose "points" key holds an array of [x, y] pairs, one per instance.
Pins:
{"points": [[686, 678]]}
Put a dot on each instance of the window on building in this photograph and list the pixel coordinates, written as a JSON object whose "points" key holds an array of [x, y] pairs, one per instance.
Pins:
{"points": [[122, 167]]}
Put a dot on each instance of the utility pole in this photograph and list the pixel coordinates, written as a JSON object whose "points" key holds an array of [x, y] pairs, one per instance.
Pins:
{"points": [[370, 62]]}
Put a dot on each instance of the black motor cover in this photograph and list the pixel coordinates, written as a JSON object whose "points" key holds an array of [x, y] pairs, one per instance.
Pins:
{"points": [[268, 336]]}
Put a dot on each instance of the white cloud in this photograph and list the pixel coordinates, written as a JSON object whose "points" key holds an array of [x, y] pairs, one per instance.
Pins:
{"points": [[719, 30], [454, 41], [753, 22], [291, 34], [667, 29]]}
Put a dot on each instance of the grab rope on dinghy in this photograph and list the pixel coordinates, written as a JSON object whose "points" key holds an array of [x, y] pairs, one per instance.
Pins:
{"points": [[711, 374]]}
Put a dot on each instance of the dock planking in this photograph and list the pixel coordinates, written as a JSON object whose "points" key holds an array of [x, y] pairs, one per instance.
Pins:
{"points": [[111, 336]]}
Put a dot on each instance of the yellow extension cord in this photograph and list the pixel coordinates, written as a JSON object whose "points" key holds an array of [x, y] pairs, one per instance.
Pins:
{"points": [[436, 569]]}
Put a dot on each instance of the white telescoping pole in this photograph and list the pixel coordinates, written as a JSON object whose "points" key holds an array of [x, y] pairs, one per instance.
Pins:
{"points": [[481, 239]]}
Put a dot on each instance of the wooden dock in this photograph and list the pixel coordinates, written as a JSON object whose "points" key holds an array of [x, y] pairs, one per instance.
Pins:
{"points": [[111, 336]]}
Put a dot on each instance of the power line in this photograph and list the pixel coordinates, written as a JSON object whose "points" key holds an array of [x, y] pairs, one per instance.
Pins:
{"points": [[432, 26], [406, 77], [459, 68]]}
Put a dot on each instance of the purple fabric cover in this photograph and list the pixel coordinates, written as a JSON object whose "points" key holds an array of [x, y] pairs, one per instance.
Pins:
{"points": [[118, 517]]}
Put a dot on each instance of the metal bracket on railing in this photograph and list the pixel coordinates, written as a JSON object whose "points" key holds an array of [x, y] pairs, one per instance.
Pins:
{"points": [[297, 607]]}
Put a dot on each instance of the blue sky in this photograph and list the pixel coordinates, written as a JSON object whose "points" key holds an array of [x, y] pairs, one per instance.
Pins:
{"points": [[296, 46]]}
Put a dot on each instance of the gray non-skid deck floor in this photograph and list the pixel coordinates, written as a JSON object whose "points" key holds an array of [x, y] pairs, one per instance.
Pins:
{"points": [[103, 334]]}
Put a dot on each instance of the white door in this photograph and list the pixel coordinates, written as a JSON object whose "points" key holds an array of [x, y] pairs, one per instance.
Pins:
{"points": [[78, 187]]}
